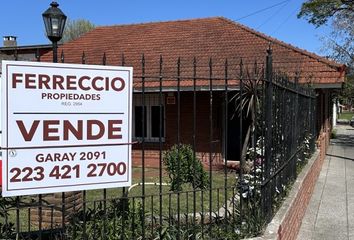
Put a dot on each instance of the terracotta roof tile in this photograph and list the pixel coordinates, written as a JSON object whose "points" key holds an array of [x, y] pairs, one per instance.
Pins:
{"points": [[217, 38]]}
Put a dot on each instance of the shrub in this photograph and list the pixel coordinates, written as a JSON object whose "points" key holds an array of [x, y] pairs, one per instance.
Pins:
{"points": [[183, 167], [7, 229], [121, 219], [334, 134]]}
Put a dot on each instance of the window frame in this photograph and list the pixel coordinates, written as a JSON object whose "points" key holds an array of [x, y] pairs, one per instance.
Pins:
{"points": [[151, 99]]}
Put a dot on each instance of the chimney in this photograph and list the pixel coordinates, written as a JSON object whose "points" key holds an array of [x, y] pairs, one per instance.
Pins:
{"points": [[10, 41]]}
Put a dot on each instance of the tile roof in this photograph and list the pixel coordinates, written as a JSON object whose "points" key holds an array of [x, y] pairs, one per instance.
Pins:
{"points": [[217, 38]]}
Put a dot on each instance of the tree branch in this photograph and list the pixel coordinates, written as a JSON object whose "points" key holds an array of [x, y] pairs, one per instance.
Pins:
{"points": [[343, 50]]}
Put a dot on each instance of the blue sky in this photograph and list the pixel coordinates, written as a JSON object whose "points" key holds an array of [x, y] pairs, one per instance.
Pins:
{"points": [[23, 18]]}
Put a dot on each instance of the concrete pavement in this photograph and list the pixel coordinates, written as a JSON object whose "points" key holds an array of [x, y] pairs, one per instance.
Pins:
{"points": [[330, 213]]}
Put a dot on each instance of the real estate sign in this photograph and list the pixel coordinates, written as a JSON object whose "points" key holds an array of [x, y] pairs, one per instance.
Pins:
{"points": [[65, 127]]}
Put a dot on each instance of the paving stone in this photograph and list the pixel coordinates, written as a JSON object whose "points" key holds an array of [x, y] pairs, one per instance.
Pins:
{"points": [[351, 234], [317, 236], [330, 213], [305, 235]]}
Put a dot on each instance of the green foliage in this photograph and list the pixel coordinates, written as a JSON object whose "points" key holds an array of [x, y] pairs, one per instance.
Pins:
{"points": [[339, 45], [347, 95], [119, 220], [306, 149], [248, 103], [318, 12], [334, 134], [123, 219], [7, 228], [76, 28], [346, 115], [184, 167]]}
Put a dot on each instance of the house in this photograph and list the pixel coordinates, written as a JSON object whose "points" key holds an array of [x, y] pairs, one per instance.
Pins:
{"points": [[210, 41], [11, 51]]}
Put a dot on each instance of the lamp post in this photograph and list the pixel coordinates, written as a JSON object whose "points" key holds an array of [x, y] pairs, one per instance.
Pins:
{"points": [[54, 22]]}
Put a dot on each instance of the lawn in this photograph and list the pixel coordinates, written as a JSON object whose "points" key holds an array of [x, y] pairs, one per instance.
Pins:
{"points": [[170, 200], [346, 115]]}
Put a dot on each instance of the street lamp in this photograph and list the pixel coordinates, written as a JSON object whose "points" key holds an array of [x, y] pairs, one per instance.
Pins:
{"points": [[54, 22]]}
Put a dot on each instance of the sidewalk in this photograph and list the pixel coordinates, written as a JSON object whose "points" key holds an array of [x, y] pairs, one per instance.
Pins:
{"points": [[330, 213]]}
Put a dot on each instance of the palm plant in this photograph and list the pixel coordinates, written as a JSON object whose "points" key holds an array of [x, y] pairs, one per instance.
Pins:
{"points": [[247, 104]]}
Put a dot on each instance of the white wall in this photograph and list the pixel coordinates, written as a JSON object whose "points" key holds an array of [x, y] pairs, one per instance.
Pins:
{"points": [[334, 123]]}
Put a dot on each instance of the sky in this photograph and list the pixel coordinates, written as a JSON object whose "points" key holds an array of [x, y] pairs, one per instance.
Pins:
{"points": [[276, 18]]}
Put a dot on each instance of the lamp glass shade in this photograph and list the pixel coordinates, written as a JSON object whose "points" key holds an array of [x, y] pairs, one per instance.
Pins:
{"points": [[54, 22]]}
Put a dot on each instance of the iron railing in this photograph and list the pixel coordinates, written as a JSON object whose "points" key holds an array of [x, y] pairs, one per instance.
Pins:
{"points": [[250, 126]]}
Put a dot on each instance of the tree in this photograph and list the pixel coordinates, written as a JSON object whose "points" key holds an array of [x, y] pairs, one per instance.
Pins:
{"points": [[347, 95], [75, 28], [339, 45], [318, 12]]}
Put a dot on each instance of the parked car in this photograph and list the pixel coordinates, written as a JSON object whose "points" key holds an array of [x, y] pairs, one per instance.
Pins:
{"points": [[352, 122]]}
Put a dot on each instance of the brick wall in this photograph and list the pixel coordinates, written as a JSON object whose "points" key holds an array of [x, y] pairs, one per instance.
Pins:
{"points": [[202, 134], [291, 224], [152, 158], [52, 211]]}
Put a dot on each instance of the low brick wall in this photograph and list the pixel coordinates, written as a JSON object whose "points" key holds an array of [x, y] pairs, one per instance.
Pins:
{"points": [[152, 158], [287, 221], [52, 211]]}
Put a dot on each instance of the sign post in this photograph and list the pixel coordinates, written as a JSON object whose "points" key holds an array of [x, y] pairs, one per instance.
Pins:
{"points": [[66, 127]]}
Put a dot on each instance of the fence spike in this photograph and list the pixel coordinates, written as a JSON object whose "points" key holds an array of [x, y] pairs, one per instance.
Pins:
{"points": [[104, 59], [255, 67], [269, 50], [178, 67], [38, 56], [15, 55], [62, 56], [210, 71], [143, 64], [123, 59], [83, 57], [226, 65], [161, 63], [194, 72]]}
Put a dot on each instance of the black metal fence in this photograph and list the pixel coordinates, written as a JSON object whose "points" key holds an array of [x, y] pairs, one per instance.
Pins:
{"points": [[218, 147]]}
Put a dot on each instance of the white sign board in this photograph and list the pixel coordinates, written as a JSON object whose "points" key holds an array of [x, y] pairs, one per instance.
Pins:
{"points": [[66, 127]]}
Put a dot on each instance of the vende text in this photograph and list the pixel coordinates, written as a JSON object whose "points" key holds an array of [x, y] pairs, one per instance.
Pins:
{"points": [[109, 130]]}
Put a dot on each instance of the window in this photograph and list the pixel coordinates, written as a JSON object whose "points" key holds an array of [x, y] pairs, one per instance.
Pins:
{"points": [[151, 115]]}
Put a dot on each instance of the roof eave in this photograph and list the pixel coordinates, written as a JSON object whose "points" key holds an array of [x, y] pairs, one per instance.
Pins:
{"points": [[327, 85]]}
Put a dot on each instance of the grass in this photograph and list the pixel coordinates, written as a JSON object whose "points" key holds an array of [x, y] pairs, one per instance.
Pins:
{"points": [[346, 115], [170, 200]]}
